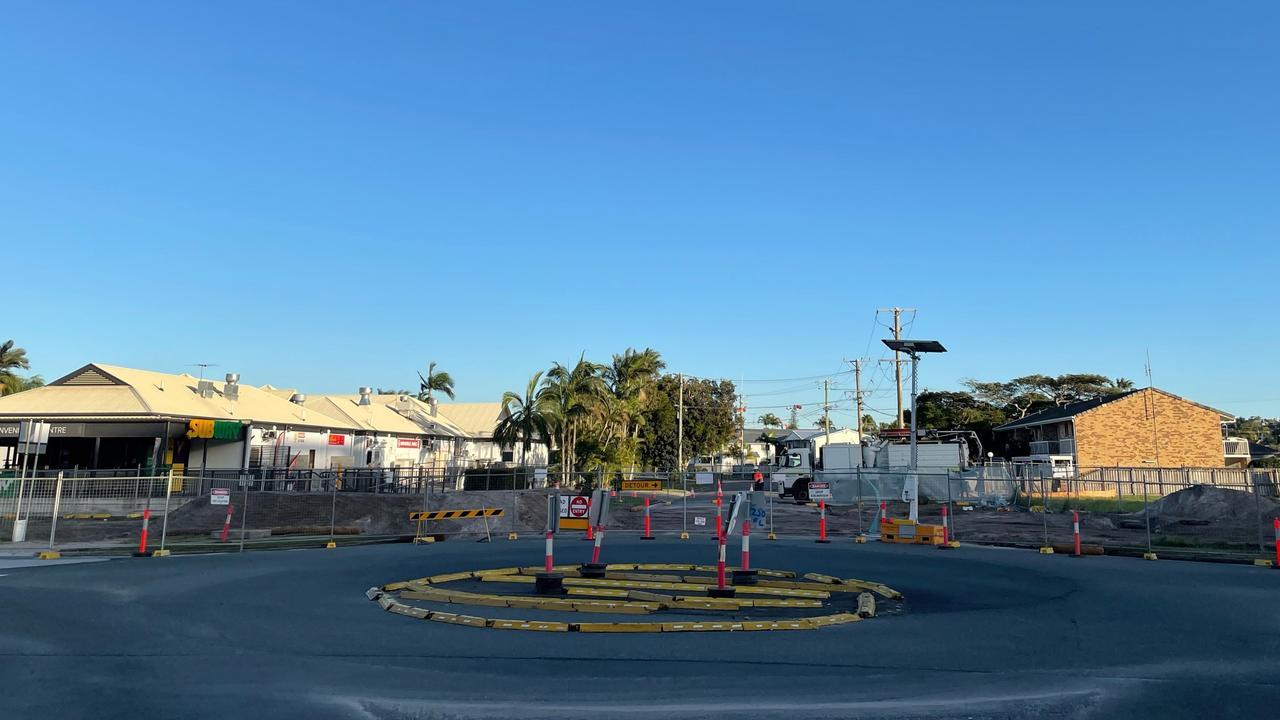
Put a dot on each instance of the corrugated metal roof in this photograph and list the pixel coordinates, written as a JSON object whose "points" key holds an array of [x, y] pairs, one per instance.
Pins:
{"points": [[381, 415], [478, 419], [109, 390]]}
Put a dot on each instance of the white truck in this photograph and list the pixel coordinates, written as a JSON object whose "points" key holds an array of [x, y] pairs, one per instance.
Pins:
{"points": [[794, 468]]}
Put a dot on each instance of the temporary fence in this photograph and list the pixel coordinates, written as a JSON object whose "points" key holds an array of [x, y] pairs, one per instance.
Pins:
{"points": [[1146, 511]]}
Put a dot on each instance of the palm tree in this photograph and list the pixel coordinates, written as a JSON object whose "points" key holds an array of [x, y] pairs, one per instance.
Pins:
{"points": [[770, 420], [573, 395], [12, 358], [631, 379], [527, 418], [435, 382], [1120, 385]]}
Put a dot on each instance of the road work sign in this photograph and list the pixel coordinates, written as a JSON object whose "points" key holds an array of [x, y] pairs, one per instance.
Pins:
{"points": [[220, 496], [641, 484], [820, 490]]}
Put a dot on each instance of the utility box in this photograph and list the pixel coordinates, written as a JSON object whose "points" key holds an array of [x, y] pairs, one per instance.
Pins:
{"points": [[910, 532]]}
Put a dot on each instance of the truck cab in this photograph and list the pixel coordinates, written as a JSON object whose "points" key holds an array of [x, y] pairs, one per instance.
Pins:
{"points": [[791, 473]]}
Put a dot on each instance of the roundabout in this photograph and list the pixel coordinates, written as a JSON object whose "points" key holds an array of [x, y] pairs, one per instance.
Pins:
{"points": [[671, 597]]}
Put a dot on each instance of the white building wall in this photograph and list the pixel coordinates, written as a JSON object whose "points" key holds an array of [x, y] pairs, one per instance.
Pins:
{"points": [[301, 443]]}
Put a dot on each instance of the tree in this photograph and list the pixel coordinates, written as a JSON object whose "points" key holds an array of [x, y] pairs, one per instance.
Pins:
{"points": [[574, 395], [527, 418], [770, 420], [435, 382], [631, 379], [1024, 395], [388, 391], [709, 420], [794, 421], [11, 359], [869, 424]]}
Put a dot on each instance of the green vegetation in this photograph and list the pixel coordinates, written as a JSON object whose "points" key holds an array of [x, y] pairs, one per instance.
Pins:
{"points": [[622, 414], [14, 358], [986, 404], [434, 382]]}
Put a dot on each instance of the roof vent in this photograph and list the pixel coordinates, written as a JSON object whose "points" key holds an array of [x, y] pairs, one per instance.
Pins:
{"points": [[365, 392], [231, 390], [205, 388], [298, 399]]}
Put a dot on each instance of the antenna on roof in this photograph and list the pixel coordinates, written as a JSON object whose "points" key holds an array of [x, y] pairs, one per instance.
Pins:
{"points": [[202, 366]]}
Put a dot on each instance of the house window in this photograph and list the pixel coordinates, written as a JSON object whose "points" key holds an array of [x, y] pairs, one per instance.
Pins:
{"points": [[508, 455]]}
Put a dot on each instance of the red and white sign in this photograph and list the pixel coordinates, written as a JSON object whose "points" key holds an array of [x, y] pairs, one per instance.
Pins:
{"points": [[219, 496], [579, 505], [408, 443], [337, 439]]}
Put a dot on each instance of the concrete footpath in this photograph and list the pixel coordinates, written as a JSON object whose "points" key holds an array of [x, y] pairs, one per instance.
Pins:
{"points": [[985, 633]]}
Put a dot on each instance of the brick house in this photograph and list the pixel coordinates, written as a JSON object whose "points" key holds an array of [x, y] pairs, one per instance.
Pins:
{"points": [[1145, 427]]}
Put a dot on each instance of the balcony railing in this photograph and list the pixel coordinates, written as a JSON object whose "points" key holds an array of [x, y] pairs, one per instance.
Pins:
{"points": [[1235, 448], [1053, 447]]}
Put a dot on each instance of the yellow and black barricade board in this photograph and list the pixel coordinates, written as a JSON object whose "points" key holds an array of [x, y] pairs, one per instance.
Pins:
{"points": [[455, 514]]}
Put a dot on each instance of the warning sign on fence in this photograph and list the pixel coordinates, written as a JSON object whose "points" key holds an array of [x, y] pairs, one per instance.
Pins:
{"points": [[819, 490], [699, 520], [220, 496]]}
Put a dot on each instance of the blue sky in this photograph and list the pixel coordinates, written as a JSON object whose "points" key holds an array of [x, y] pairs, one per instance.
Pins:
{"points": [[327, 195]]}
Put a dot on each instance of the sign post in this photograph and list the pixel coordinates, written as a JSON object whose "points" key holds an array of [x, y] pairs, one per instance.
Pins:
{"points": [[550, 582], [598, 514]]}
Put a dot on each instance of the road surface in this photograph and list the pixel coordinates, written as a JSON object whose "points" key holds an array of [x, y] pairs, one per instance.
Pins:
{"points": [[985, 633]]}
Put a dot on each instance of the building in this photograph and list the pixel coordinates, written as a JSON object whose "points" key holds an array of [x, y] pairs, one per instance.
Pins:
{"points": [[105, 416], [762, 443], [394, 431], [110, 417], [1144, 427], [478, 421]]}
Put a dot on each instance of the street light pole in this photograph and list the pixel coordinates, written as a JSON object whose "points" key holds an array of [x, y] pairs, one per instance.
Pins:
{"points": [[911, 489]]}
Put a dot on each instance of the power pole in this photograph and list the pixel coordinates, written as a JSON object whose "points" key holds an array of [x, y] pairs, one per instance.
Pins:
{"points": [[680, 431], [897, 356], [826, 407], [857, 392]]}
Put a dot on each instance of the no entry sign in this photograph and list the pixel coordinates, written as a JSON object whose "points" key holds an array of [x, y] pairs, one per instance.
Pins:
{"points": [[574, 512]]}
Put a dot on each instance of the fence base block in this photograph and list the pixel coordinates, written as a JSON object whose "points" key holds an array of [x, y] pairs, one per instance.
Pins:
{"points": [[513, 536], [1046, 551], [1149, 556], [48, 555], [1264, 562], [160, 553], [684, 536], [331, 545], [860, 539]]}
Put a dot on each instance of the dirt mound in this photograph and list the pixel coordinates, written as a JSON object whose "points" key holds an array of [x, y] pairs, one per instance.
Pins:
{"points": [[1213, 504]]}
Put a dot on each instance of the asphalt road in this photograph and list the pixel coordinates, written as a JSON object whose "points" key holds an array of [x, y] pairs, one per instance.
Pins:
{"points": [[985, 633]]}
